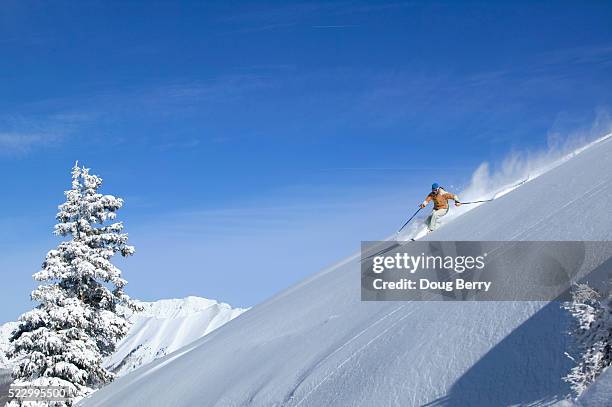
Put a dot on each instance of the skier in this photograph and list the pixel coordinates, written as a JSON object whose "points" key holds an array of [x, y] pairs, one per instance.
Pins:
{"points": [[440, 200]]}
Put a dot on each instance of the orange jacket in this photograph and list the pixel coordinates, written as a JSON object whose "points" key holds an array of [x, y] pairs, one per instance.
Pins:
{"points": [[440, 199]]}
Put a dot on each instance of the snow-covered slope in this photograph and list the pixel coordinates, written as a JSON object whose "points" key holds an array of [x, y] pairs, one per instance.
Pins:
{"points": [[316, 344], [163, 327]]}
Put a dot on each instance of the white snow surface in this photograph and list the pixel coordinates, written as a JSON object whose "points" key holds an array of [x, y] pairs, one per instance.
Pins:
{"points": [[5, 333], [316, 344], [161, 328]]}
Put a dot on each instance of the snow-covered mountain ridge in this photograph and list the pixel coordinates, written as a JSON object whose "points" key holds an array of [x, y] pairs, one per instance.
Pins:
{"points": [[317, 344], [165, 326], [162, 327]]}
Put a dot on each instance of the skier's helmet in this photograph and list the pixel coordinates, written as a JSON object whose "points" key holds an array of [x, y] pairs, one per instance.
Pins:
{"points": [[434, 186]]}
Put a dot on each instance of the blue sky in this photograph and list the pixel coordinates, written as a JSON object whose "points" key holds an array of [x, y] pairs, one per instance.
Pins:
{"points": [[256, 143]]}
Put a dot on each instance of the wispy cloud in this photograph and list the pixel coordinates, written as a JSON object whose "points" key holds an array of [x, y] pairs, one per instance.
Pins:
{"points": [[49, 123], [227, 87], [23, 133], [585, 55], [12, 142]]}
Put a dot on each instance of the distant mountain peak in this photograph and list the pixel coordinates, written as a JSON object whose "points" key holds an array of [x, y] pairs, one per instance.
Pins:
{"points": [[161, 328]]}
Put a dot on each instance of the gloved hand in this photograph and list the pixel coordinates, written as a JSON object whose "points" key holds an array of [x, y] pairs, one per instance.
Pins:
{"points": [[457, 203], [421, 206]]}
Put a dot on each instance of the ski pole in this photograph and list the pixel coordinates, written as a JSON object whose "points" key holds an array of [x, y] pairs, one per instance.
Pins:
{"points": [[404, 225], [473, 202]]}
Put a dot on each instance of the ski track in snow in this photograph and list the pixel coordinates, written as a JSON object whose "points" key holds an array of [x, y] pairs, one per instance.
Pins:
{"points": [[559, 209], [357, 352], [337, 350]]}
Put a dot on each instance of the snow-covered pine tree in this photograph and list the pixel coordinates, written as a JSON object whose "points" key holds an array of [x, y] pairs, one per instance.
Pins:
{"points": [[591, 333], [77, 322]]}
